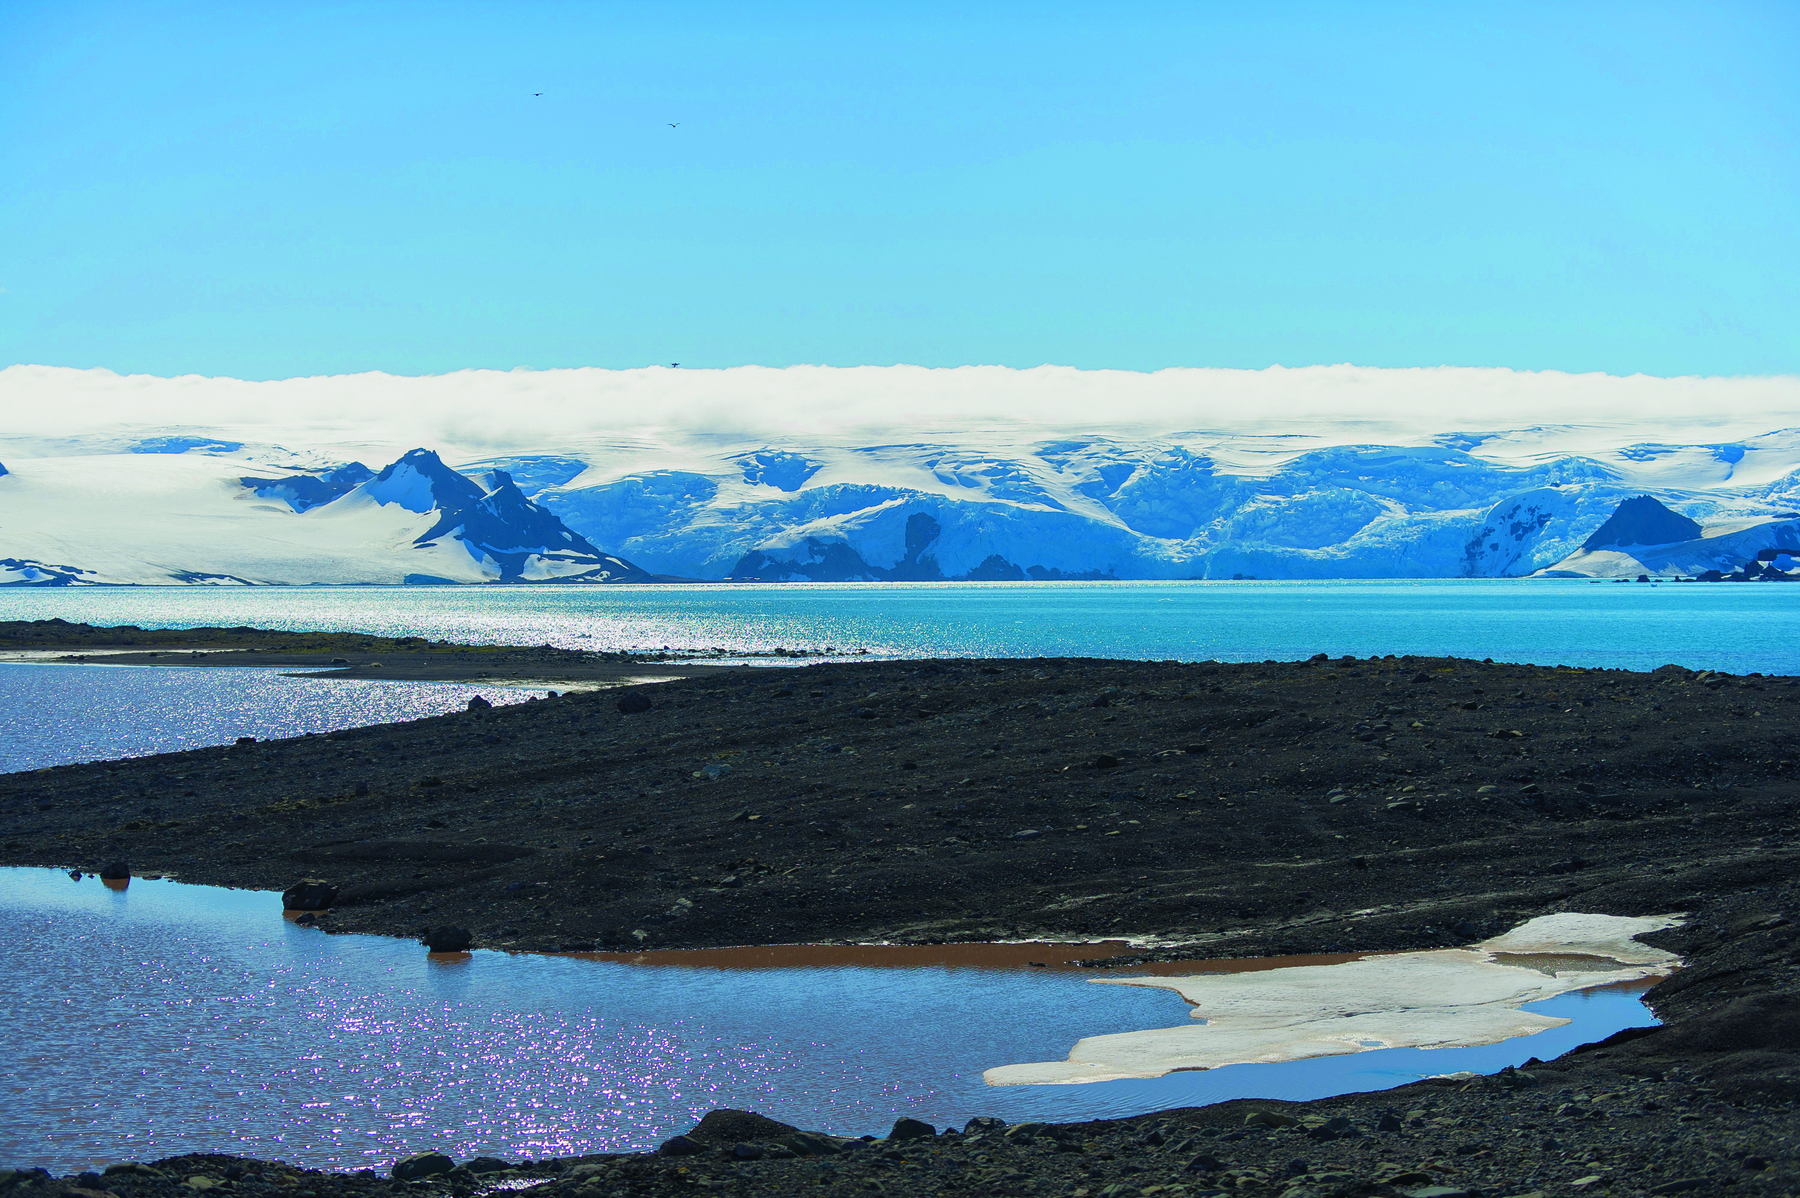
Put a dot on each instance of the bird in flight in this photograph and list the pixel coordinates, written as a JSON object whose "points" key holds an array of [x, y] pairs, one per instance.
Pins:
{"points": [[674, 363], [674, 124], [537, 93]]}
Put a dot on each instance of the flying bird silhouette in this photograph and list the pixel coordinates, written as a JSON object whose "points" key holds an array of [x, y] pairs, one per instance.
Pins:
{"points": [[674, 124], [674, 363], [537, 93]]}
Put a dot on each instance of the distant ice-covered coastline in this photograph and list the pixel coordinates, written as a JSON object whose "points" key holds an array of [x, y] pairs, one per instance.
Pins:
{"points": [[599, 476]]}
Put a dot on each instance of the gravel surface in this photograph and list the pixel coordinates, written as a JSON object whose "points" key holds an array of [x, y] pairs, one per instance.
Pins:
{"points": [[1204, 809]]}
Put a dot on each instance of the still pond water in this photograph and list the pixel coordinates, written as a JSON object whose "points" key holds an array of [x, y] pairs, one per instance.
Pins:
{"points": [[164, 1019]]}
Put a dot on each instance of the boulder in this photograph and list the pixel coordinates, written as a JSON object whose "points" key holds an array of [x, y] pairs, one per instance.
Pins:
{"points": [[634, 703], [421, 1164], [681, 1146], [448, 939], [479, 704], [911, 1129], [728, 1126], [309, 895], [812, 1143], [114, 871], [486, 1164], [983, 1123]]}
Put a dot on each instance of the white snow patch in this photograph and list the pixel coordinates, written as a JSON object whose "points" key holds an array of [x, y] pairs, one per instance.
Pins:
{"points": [[1451, 998]]}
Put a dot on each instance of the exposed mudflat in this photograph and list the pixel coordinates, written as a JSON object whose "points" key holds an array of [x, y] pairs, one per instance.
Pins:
{"points": [[1183, 805]]}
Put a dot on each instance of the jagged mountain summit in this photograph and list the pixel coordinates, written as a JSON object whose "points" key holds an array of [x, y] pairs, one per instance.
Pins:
{"points": [[174, 516], [495, 523]]}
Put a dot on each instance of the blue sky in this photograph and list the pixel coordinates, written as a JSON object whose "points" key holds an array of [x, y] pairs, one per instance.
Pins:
{"points": [[270, 190]]}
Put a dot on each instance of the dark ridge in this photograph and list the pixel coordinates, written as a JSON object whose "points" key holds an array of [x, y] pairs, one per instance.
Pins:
{"points": [[1642, 521]]}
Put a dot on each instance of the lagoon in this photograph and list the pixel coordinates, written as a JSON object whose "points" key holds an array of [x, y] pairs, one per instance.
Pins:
{"points": [[163, 1018]]}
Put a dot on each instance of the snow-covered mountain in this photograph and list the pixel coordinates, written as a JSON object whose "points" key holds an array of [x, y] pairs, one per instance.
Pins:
{"points": [[1644, 537], [1103, 508], [189, 514], [551, 466]]}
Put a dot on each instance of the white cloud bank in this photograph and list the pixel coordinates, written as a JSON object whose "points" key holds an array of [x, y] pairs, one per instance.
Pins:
{"points": [[496, 411]]}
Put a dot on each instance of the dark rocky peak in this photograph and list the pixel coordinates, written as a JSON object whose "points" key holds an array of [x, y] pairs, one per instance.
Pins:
{"points": [[504, 525], [504, 521], [306, 489], [1642, 521], [419, 481]]}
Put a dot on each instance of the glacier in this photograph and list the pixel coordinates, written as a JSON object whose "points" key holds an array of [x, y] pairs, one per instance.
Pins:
{"points": [[541, 481]]}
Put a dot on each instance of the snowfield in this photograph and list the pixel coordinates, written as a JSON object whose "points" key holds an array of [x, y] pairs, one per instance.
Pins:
{"points": [[614, 496]]}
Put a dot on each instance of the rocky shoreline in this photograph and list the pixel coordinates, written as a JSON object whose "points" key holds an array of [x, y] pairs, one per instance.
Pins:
{"points": [[1200, 809]]}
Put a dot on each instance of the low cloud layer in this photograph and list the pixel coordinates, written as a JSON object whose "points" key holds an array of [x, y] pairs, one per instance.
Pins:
{"points": [[503, 410]]}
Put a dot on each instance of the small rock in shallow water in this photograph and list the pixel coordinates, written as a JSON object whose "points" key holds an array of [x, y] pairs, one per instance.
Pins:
{"points": [[308, 896], [448, 940]]}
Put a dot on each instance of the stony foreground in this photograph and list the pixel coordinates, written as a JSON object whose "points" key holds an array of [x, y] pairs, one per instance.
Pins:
{"points": [[1224, 810]]}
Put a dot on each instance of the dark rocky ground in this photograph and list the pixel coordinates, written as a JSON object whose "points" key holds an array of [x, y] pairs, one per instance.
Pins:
{"points": [[959, 800]]}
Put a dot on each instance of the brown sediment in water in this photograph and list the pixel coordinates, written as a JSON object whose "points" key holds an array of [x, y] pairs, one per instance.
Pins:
{"points": [[1051, 957]]}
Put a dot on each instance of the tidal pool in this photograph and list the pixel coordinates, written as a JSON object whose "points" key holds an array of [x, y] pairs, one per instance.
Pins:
{"points": [[162, 1018]]}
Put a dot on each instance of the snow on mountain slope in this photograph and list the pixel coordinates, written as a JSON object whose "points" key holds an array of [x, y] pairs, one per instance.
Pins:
{"points": [[812, 473], [191, 518], [1084, 507], [1097, 507], [1644, 537]]}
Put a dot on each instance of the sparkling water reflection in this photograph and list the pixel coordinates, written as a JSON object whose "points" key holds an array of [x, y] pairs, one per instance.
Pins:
{"points": [[1703, 626], [55, 714], [165, 1019]]}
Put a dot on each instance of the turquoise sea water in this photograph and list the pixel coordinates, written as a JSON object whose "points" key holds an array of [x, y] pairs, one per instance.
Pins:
{"points": [[53, 714], [1736, 628], [164, 1019]]}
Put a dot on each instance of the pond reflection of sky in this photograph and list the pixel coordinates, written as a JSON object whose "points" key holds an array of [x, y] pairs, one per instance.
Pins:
{"points": [[167, 1019]]}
